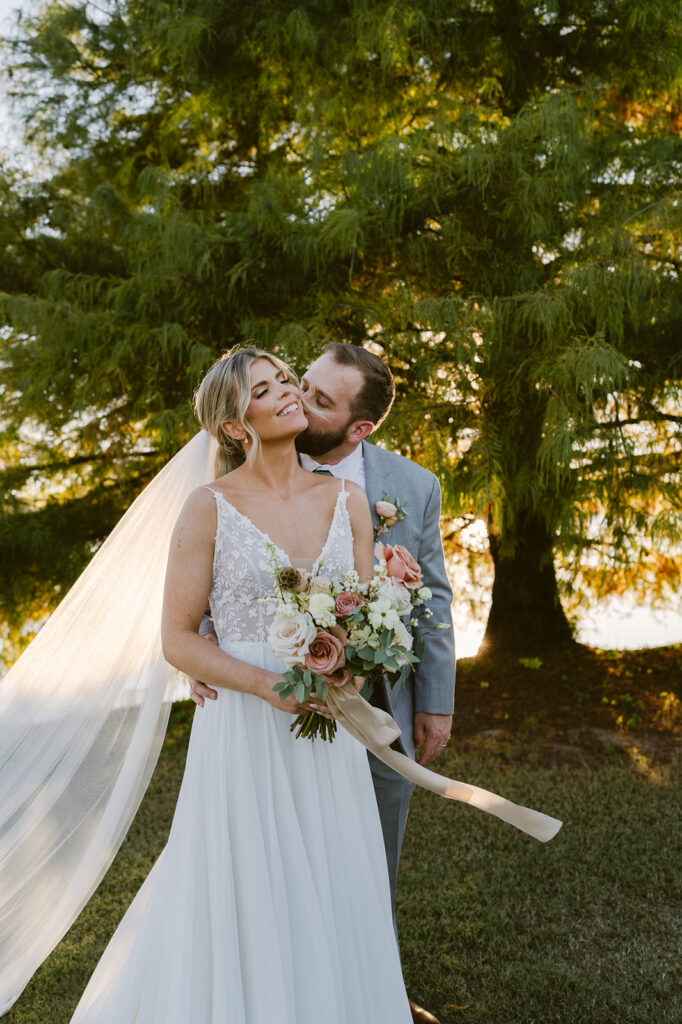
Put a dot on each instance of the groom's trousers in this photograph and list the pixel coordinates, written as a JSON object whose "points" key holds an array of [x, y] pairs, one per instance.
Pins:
{"points": [[393, 793]]}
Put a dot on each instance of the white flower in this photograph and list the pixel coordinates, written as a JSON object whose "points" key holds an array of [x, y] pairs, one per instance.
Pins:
{"points": [[322, 610], [290, 635], [381, 613], [403, 637], [424, 594], [406, 640], [394, 592]]}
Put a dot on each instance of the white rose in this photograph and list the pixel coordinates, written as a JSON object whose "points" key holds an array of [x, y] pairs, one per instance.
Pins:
{"points": [[322, 610], [399, 596], [403, 636], [424, 594], [406, 640], [290, 635]]}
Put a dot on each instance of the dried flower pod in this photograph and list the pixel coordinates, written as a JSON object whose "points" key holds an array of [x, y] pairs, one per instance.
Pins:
{"points": [[289, 578]]}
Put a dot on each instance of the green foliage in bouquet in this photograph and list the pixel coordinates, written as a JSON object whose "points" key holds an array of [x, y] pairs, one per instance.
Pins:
{"points": [[371, 662]]}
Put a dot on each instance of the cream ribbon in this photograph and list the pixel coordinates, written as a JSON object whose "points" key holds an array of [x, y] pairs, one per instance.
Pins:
{"points": [[376, 730]]}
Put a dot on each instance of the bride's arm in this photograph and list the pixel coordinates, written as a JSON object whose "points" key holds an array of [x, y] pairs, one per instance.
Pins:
{"points": [[363, 531], [188, 582]]}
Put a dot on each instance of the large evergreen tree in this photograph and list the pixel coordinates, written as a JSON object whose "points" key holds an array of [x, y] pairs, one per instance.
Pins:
{"points": [[486, 189]]}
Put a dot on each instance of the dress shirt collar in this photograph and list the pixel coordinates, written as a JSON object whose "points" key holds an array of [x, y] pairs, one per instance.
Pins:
{"points": [[352, 467]]}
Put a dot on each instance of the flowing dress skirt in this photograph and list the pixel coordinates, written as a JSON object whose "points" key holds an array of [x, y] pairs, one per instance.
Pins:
{"points": [[270, 902]]}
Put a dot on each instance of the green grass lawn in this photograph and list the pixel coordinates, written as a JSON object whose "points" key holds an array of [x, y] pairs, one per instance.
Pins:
{"points": [[495, 927]]}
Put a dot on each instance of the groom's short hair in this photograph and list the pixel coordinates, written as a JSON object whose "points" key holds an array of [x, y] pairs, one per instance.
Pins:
{"points": [[376, 394]]}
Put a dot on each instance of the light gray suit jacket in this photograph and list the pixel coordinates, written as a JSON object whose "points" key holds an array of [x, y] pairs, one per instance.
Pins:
{"points": [[430, 686]]}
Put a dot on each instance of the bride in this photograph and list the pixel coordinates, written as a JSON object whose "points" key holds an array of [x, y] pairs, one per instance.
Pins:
{"points": [[270, 903]]}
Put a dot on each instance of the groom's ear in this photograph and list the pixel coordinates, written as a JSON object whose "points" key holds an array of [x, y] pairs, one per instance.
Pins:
{"points": [[358, 431]]}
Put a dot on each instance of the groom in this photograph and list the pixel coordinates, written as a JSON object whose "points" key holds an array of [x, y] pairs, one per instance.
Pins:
{"points": [[349, 391]]}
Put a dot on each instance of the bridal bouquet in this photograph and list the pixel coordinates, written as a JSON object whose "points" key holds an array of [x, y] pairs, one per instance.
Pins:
{"points": [[331, 632]]}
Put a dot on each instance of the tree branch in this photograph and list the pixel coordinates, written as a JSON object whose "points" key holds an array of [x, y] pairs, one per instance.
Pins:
{"points": [[657, 416], [79, 460]]}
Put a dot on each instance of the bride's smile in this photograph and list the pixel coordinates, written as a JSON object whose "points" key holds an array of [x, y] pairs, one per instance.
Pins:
{"points": [[288, 409]]}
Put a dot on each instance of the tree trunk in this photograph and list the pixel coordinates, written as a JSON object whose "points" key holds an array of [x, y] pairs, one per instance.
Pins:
{"points": [[526, 612]]}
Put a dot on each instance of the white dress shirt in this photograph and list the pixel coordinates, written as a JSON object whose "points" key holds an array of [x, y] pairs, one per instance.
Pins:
{"points": [[350, 468]]}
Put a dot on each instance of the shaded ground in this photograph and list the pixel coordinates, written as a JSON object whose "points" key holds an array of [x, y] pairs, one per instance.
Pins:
{"points": [[569, 705]]}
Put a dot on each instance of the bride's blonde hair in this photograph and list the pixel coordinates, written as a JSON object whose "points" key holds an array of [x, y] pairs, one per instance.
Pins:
{"points": [[225, 394]]}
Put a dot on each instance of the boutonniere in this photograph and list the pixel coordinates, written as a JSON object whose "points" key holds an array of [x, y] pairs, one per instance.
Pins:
{"points": [[389, 512]]}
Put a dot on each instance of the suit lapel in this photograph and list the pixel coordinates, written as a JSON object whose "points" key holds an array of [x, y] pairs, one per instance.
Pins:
{"points": [[378, 480]]}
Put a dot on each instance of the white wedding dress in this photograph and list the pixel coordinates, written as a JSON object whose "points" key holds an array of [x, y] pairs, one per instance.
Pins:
{"points": [[270, 903]]}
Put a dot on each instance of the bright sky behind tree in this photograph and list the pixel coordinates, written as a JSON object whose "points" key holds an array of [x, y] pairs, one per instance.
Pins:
{"points": [[9, 134]]}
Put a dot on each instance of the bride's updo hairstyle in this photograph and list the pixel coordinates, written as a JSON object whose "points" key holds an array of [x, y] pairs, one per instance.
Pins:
{"points": [[225, 394]]}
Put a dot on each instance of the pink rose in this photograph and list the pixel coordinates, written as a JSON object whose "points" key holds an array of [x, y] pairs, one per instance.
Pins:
{"points": [[325, 653], [339, 677], [320, 585], [387, 511], [346, 603], [400, 564]]}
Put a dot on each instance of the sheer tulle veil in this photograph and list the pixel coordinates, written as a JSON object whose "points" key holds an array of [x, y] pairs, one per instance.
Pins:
{"points": [[82, 716]]}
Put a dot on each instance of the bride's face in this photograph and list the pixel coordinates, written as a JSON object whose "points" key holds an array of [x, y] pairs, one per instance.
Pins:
{"points": [[275, 410]]}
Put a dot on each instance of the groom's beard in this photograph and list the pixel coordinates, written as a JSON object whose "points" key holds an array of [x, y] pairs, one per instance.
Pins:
{"points": [[317, 443]]}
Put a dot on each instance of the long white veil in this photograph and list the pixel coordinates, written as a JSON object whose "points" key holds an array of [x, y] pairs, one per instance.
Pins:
{"points": [[83, 713]]}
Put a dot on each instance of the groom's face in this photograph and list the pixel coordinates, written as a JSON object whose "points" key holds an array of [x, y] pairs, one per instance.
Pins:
{"points": [[329, 389]]}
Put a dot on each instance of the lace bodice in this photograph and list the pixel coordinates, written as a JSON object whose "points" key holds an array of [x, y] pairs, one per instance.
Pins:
{"points": [[242, 595]]}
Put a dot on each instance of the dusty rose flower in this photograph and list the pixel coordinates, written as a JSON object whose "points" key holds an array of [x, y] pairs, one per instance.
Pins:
{"points": [[320, 585], [339, 677], [340, 632], [346, 603], [400, 564], [325, 653], [387, 511]]}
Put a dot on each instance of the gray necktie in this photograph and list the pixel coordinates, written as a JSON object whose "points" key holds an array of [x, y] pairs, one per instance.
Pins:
{"points": [[323, 472]]}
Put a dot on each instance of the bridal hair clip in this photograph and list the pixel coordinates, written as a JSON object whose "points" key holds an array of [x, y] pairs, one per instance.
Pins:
{"points": [[389, 512]]}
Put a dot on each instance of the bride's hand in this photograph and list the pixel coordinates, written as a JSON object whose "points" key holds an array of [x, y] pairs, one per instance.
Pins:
{"points": [[289, 705]]}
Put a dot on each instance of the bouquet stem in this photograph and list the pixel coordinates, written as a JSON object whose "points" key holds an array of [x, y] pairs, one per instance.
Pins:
{"points": [[312, 724]]}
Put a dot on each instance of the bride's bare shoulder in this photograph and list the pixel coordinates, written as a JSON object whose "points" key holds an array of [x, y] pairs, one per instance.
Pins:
{"points": [[357, 496], [356, 490], [358, 510], [199, 511]]}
